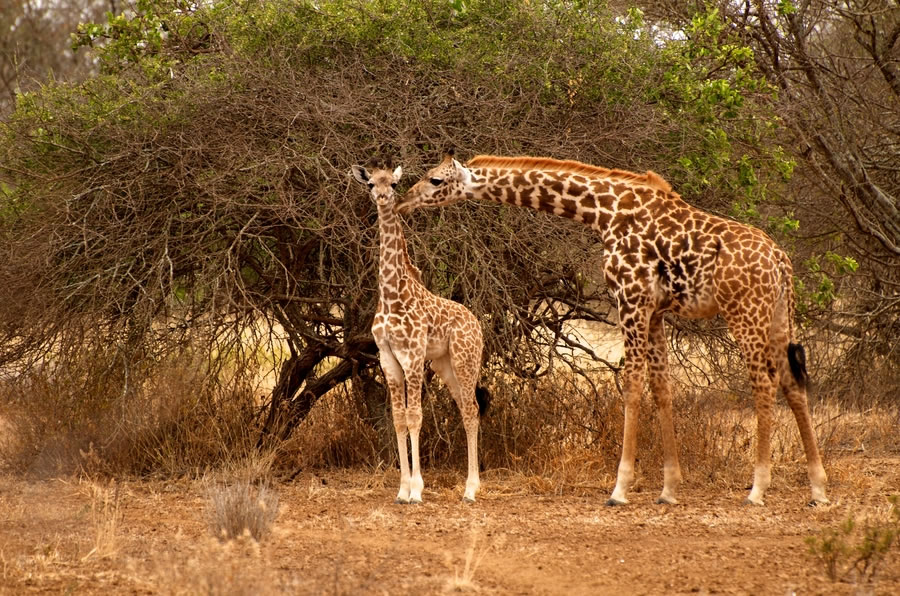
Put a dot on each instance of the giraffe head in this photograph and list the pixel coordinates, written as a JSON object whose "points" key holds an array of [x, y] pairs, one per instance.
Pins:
{"points": [[446, 183], [381, 183]]}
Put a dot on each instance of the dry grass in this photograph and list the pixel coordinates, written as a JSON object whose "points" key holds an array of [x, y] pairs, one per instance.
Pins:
{"points": [[241, 509], [239, 567], [557, 437], [177, 421], [554, 436], [345, 536], [105, 518], [463, 580]]}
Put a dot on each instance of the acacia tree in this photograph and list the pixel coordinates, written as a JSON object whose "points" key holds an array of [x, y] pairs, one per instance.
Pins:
{"points": [[196, 192]]}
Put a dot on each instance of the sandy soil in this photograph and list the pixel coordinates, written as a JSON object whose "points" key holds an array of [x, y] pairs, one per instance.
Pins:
{"points": [[338, 532]]}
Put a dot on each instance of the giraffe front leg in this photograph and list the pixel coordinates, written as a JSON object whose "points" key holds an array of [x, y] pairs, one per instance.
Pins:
{"points": [[399, 415], [625, 474], [634, 321], [414, 424], [634, 384], [393, 374]]}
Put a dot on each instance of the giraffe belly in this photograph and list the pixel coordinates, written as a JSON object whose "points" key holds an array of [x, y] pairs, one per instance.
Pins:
{"points": [[436, 347], [696, 308], [688, 298]]}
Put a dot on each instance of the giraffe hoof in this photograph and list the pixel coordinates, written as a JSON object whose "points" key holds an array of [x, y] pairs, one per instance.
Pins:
{"points": [[816, 503], [468, 501], [615, 503], [399, 501], [415, 501], [747, 501], [666, 501]]}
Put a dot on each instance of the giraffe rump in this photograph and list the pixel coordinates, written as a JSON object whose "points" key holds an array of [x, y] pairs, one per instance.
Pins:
{"points": [[797, 360]]}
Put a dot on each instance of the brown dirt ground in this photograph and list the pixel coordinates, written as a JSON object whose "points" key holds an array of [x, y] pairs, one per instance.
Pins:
{"points": [[338, 532]]}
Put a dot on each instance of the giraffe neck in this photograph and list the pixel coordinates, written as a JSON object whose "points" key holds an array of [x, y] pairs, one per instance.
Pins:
{"points": [[593, 198], [394, 265]]}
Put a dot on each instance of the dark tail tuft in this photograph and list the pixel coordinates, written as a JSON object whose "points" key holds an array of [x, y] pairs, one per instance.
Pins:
{"points": [[483, 398], [797, 360]]}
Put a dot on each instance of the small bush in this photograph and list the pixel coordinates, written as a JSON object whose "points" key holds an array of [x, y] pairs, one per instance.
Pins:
{"points": [[854, 550], [239, 509], [105, 517]]}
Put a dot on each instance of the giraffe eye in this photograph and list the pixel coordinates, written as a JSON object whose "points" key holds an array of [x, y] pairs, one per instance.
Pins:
{"points": [[393, 185], [371, 185], [436, 181]]}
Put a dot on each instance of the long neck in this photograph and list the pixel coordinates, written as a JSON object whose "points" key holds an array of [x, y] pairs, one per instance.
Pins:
{"points": [[590, 199], [394, 264]]}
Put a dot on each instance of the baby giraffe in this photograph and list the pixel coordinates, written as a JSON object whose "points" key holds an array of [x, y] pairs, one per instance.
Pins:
{"points": [[413, 325]]}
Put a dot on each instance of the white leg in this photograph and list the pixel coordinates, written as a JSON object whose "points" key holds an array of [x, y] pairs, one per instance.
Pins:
{"points": [[414, 373], [764, 393], [762, 478], [393, 374], [796, 398], [464, 396]]}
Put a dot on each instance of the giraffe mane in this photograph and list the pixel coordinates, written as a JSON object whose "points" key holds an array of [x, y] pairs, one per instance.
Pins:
{"points": [[649, 178]]}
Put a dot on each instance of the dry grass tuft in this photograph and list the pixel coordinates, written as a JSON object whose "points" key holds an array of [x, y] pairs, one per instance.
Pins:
{"points": [[240, 509], [105, 517], [856, 549], [463, 580]]}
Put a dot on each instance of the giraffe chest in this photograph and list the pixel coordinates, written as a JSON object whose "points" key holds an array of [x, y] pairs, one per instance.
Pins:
{"points": [[410, 329]]}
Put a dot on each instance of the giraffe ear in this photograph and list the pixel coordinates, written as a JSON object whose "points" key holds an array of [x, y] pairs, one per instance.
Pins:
{"points": [[360, 173], [398, 173]]}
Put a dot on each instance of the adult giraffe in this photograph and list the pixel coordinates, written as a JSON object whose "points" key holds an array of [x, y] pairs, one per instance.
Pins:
{"points": [[413, 325], [661, 255]]}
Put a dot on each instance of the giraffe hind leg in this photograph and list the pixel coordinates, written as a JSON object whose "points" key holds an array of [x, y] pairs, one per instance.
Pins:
{"points": [[461, 381], [793, 379], [635, 329], [793, 386]]}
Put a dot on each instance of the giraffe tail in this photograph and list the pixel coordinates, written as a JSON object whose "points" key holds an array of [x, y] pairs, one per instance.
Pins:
{"points": [[483, 398], [795, 352], [797, 360]]}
